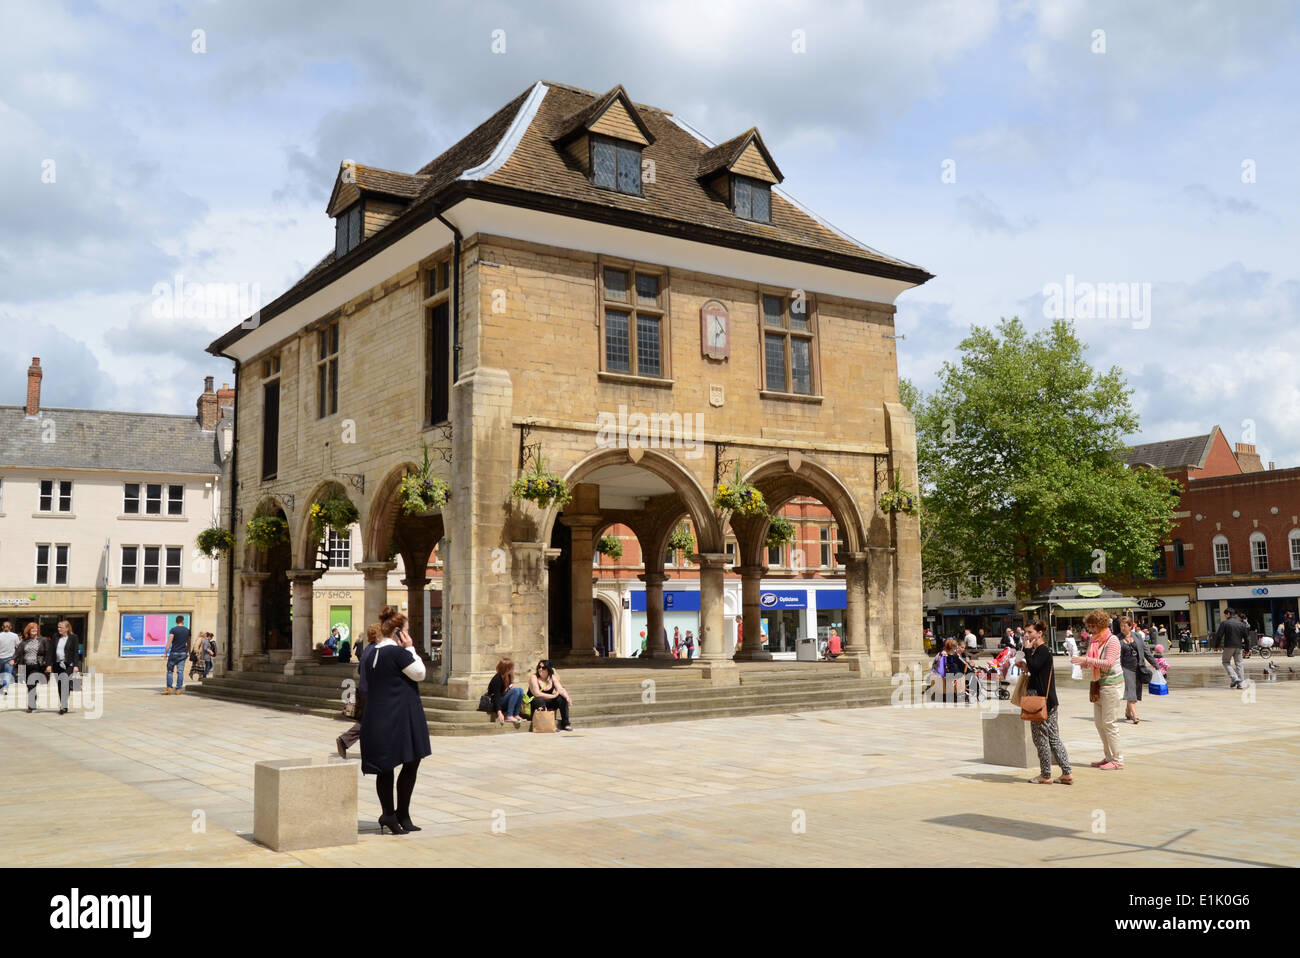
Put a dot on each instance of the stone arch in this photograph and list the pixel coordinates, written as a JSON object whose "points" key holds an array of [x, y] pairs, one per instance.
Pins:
{"points": [[255, 560], [306, 549], [380, 520], [780, 483], [679, 478]]}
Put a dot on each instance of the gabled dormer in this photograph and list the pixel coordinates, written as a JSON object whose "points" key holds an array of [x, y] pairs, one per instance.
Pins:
{"points": [[365, 199], [742, 172], [605, 140]]}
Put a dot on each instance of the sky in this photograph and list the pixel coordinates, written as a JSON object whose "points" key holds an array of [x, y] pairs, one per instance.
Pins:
{"points": [[1004, 146]]}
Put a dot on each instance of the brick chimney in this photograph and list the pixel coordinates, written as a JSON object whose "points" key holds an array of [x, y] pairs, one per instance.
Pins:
{"points": [[1248, 458], [34, 375], [226, 397], [209, 411]]}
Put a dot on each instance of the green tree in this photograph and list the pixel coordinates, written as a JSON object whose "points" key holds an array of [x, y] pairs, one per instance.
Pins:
{"points": [[1021, 464]]}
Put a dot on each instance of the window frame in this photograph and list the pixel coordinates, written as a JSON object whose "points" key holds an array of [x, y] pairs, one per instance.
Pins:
{"points": [[592, 140], [157, 565], [127, 499], [1293, 548], [271, 376], [1222, 540], [336, 545], [53, 568], [56, 495], [1258, 539], [134, 565], [168, 567], [789, 333], [1180, 554], [435, 295], [750, 183], [343, 226], [634, 308], [328, 337], [155, 500], [179, 500]]}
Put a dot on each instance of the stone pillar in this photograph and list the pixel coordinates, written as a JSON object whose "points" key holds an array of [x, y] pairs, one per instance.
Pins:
{"points": [[415, 583], [581, 600], [716, 665], [376, 592], [301, 581], [857, 646], [906, 639], [250, 620], [656, 646], [751, 648]]}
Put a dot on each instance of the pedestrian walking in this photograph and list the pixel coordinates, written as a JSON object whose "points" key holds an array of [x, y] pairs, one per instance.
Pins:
{"points": [[1107, 686], [689, 644], [1290, 632], [1046, 735], [65, 662], [1134, 657], [677, 642], [207, 652], [394, 730], [1233, 634], [8, 650], [178, 653], [353, 734], [33, 657]]}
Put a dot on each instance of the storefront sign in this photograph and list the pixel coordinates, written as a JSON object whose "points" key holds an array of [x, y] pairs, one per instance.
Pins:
{"points": [[1089, 591], [17, 600], [784, 599], [145, 635], [680, 600], [1151, 603], [1164, 603], [1285, 590]]}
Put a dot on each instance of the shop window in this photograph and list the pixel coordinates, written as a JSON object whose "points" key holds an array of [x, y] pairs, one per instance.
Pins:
{"points": [[172, 571]]}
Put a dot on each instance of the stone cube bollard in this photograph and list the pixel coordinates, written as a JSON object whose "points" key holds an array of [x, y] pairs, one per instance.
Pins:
{"points": [[300, 803], [1007, 739]]}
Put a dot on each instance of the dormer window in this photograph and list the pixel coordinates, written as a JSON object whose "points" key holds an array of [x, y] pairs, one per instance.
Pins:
{"points": [[616, 165], [347, 229], [751, 199]]}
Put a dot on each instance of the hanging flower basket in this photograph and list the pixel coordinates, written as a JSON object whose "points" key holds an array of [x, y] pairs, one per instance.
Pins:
{"points": [[681, 540], [898, 499], [264, 532], [421, 492], [336, 513], [541, 487], [610, 546], [779, 532], [213, 540], [739, 497]]}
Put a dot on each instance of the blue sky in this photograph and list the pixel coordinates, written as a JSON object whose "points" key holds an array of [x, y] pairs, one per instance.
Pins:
{"points": [[1123, 166]]}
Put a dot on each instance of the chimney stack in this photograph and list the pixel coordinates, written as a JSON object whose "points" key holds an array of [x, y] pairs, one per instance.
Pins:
{"points": [[209, 411], [34, 375], [226, 397], [1248, 458]]}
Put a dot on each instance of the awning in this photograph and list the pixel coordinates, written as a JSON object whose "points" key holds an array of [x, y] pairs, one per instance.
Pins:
{"points": [[1078, 605], [1029, 608]]}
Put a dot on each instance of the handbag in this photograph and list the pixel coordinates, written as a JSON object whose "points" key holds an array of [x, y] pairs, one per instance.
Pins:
{"points": [[1033, 708], [543, 720], [1094, 690], [486, 704]]}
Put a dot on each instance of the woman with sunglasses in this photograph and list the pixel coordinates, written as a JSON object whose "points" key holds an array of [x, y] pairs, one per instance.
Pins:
{"points": [[548, 694]]}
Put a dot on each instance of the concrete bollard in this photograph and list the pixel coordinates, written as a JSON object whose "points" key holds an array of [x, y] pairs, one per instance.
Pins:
{"points": [[1007, 740], [300, 803]]}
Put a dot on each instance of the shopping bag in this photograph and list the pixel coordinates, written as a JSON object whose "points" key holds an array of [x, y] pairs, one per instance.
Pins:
{"points": [[1019, 690], [543, 720]]}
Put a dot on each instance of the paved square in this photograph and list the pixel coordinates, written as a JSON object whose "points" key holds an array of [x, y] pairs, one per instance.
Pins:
{"points": [[167, 780]]}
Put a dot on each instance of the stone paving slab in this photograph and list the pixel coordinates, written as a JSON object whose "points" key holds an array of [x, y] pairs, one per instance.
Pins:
{"points": [[1208, 781]]}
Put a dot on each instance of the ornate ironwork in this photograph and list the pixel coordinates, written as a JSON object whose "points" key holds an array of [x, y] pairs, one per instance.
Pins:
{"points": [[528, 452], [444, 453], [288, 499], [720, 465], [357, 480]]}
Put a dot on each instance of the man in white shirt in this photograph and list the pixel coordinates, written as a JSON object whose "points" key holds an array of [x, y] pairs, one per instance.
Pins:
{"points": [[970, 641], [8, 650]]}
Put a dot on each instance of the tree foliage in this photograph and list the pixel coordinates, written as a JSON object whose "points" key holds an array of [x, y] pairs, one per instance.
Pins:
{"points": [[1021, 461]]}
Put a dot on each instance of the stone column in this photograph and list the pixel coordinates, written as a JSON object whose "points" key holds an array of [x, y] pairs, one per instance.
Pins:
{"points": [[249, 634], [656, 646], [857, 647], [751, 649], [415, 583], [581, 600], [301, 581], [717, 667], [376, 594]]}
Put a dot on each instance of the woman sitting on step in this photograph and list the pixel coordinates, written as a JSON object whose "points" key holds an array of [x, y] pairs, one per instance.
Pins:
{"points": [[506, 697], [548, 694]]}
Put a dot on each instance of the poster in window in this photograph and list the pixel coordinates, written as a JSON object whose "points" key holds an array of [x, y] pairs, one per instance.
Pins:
{"points": [[145, 634]]}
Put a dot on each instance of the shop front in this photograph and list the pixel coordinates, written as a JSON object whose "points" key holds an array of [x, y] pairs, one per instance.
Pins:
{"points": [[1263, 606], [1172, 612]]}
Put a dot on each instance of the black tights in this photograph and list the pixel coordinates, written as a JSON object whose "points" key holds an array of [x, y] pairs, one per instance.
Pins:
{"points": [[405, 786]]}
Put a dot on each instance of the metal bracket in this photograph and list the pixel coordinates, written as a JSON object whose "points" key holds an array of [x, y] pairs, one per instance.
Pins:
{"points": [[357, 480], [720, 465], [528, 452], [239, 515], [445, 430], [288, 499]]}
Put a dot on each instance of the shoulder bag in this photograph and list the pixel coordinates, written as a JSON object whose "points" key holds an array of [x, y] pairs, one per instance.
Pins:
{"points": [[1033, 708]]}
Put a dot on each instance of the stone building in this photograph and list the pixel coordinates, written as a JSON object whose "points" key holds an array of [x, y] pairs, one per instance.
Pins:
{"points": [[585, 283], [99, 512]]}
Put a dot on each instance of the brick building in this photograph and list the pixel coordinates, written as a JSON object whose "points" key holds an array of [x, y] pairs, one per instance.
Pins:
{"points": [[576, 255]]}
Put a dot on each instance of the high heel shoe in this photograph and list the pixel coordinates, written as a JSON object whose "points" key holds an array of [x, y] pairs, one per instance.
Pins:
{"points": [[392, 824], [406, 823]]}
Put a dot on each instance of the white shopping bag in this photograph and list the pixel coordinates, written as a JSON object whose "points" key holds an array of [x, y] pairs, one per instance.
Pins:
{"points": [[1076, 672], [1157, 677]]}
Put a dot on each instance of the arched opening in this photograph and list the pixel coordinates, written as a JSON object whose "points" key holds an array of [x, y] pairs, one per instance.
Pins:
{"points": [[269, 612]]}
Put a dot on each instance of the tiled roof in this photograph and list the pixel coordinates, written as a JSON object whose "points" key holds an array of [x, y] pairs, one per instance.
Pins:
{"points": [[1172, 453], [675, 202], [404, 185], [725, 154], [91, 439]]}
